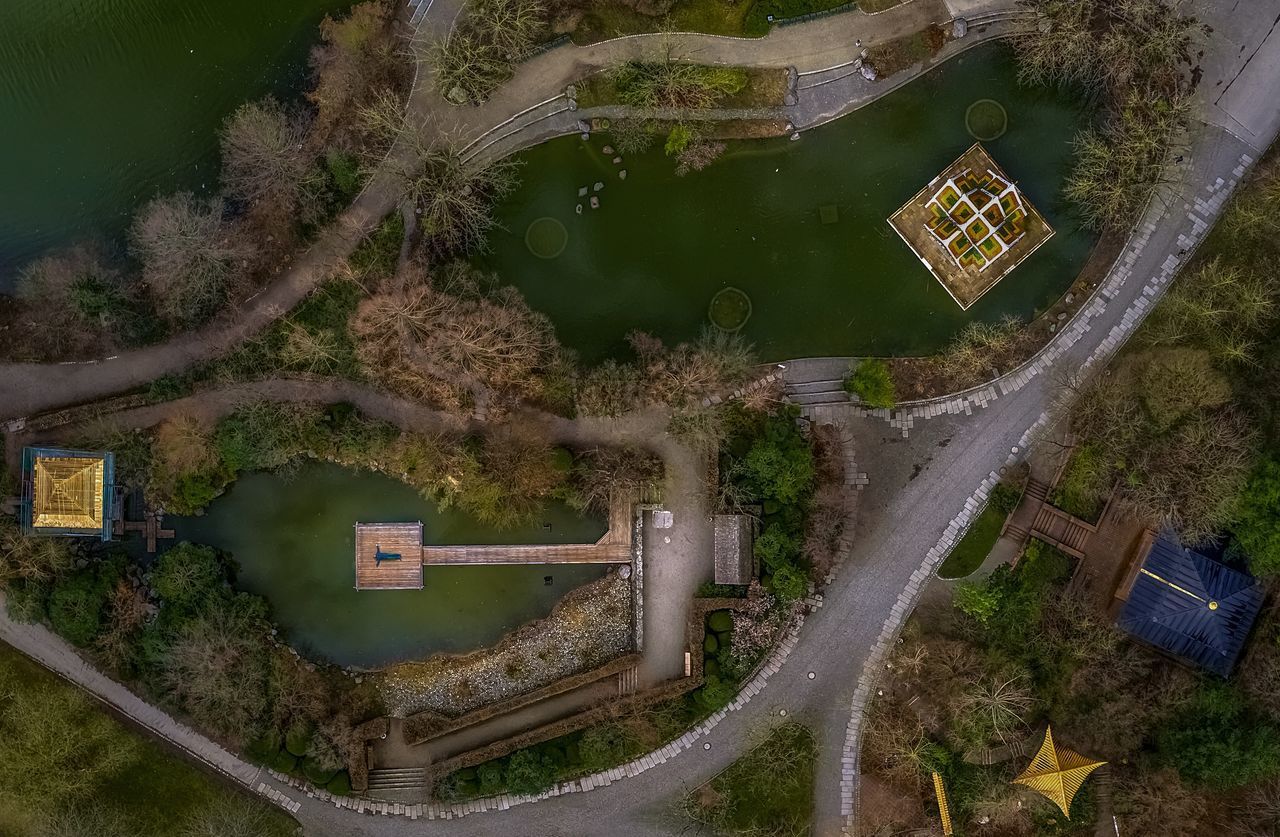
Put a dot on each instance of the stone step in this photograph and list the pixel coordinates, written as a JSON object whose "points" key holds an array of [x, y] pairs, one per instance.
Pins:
{"points": [[815, 399], [628, 681], [398, 779], [815, 386]]}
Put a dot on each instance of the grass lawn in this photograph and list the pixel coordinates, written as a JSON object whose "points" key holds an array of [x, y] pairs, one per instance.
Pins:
{"points": [[767, 791], [897, 55], [145, 792], [976, 544], [765, 88]]}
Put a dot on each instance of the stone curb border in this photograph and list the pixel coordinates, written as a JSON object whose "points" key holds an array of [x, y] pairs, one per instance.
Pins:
{"points": [[1220, 191]]}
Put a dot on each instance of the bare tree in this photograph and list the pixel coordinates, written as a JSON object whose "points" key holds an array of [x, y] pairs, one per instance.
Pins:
{"points": [[602, 473], [998, 706], [48, 767], [462, 330], [218, 668], [356, 55], [455, 198], [31, 559], [480, 52], [264, 152], [188, 255], [229, 816]]}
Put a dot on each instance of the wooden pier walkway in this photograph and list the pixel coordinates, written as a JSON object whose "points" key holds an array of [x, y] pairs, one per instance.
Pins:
{"points": [[614, 547], [577, 553]]}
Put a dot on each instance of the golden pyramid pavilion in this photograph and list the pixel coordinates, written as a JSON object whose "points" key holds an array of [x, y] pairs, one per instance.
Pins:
{"points": [[1057, 773]]}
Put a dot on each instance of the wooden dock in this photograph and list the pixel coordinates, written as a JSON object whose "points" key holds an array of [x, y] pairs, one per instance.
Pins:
{"points": [[614, 547], [578, 553], [403, 539]]}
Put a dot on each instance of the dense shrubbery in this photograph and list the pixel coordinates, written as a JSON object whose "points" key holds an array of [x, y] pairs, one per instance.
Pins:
{"points": [[870, 380], [1184, 424], [1134, 54]]}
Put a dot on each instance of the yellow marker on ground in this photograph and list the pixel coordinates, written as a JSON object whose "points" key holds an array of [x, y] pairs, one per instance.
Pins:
{"points": [[943, 809]]}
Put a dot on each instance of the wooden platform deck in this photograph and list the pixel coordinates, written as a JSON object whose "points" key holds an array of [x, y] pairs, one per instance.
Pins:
{"points": [[610, 553], [614, 547], [403, 539]]}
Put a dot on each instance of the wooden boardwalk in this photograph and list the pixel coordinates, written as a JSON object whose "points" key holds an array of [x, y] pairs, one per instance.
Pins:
{"points": [[614, 547], [578, 553], [403, 539]]}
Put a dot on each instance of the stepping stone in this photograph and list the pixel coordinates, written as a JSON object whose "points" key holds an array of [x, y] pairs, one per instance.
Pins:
{"points": [[617, 160], [582, 191], [595, 202], [578, 209], [599, 185], [622, 175], [608, 149]]}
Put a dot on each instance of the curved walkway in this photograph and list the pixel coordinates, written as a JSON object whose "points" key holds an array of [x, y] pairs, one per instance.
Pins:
{"points": [[812, 46], [917, 504]]}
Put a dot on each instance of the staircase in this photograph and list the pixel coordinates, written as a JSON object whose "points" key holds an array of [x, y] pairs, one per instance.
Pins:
{"points": [[815, 393], [1037, 490], [1104, 823], [628, 681], [398, 784]]}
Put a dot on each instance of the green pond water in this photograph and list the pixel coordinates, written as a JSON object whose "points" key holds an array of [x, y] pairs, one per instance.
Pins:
{"points": [[104, 103], [660, 246], [294, 541]]}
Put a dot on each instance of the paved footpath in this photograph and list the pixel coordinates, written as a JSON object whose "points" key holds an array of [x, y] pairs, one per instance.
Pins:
{"points": [[908, 520]]}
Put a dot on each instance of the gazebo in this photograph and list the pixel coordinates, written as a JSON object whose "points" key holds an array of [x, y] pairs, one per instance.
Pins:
{"points": [[67, 492], [1057, 773], [1191, 606]]}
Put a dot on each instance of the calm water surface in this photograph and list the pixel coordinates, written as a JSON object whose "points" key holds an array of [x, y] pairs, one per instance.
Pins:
{"points": [[660, 246], [104, 103], [295, 543]]}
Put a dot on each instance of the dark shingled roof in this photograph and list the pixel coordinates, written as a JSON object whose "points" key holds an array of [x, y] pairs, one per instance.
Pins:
{"points": [[1191, 606], [733, 546]]}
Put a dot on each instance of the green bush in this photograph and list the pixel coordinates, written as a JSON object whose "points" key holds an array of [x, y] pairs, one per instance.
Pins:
{"points": [[299, 738], [78, 601], [1258, 527], [789, 583], [317, 774], [977, 600], [529, 772], [344, 171], [264, 748], [720, 620], [710, 644], [871, 382], [1005, 497], [188, 578], [777, 546], [1217, 741], [678, 140], [283, 762], [602, 747], [714, 693], [340, 785], [490, 778]]}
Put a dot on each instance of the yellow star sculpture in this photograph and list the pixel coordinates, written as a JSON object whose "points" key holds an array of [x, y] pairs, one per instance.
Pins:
{"points": [[1057, 773]]}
